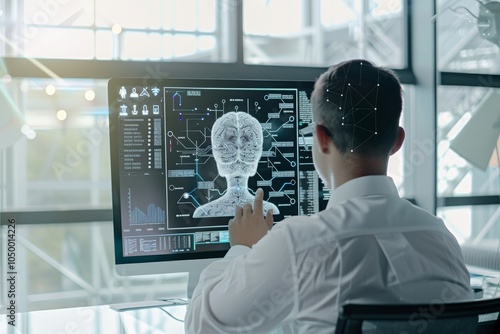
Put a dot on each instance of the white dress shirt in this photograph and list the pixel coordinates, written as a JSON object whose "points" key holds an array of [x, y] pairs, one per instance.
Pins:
{"points": [[367, 246]]}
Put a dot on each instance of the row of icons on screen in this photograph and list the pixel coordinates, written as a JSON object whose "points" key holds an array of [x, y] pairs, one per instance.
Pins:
{"points": [[135, 95], [144, 111]]}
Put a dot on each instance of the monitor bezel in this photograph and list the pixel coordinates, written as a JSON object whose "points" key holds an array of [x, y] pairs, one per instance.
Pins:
{"points": [[174, 260]]}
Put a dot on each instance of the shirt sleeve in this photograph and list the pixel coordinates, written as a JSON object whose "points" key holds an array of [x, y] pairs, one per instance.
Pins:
{"points": [[249, 290]]}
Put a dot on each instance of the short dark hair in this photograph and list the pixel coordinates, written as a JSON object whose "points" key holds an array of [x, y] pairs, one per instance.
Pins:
{"points": [[360, 105]]}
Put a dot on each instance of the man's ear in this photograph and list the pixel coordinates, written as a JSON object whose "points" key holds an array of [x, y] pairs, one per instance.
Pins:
{"points": [[399, 140], [323, 137]]}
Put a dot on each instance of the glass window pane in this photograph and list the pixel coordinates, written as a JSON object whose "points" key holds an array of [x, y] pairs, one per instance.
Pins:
{"points": [[110, 30], [72, 264], [129, 13], [322, 33], [62, 160], [104, 45], [206, 15], [184, 45], [474, 226], [184, 20], [465, 42], [281, 18], [61, 43], [467, 136], [206, 43], [168, 49], [477, 229], [167, 14], [140, 46]]}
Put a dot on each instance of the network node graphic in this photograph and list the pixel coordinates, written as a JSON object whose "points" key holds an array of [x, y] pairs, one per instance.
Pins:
{"points": [[360, 116], [225, 143]]}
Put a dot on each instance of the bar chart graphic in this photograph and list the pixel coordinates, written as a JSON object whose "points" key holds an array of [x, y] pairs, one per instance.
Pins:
{"points": [[153, 214]]}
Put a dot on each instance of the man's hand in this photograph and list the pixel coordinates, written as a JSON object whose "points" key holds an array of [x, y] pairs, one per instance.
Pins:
{"points": [[248, 227]]}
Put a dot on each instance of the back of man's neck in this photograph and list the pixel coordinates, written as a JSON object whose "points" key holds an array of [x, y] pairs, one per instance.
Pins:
{"points": [[360, 168]]}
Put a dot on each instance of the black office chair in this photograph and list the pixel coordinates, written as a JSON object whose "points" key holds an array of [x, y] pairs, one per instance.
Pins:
{"points": [[457, 318]]}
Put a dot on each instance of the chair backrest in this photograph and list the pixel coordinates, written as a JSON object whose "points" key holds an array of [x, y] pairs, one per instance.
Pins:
{"points": [[480, 316]]}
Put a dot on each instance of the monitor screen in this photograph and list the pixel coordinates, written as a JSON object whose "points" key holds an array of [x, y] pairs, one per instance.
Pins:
{"points": [[185, 152]]}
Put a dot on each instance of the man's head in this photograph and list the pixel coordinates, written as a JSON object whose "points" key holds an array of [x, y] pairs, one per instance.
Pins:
{"points": [[237, 144], [359, 104]]}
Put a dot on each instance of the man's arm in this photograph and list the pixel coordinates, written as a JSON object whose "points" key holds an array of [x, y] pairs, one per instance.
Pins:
{"points": [[249, 225], [251, 290]]}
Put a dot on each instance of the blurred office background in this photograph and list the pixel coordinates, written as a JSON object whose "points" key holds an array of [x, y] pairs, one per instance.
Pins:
{"points": [[54, 148]]}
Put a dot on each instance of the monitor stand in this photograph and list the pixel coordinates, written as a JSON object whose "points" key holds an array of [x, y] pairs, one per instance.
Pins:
{"points": [[193, 279]]}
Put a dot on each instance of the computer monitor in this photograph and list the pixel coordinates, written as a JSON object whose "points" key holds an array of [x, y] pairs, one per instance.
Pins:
{"points": [[185, 152]]}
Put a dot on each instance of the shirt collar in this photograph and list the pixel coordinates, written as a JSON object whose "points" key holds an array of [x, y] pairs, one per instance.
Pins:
{"points": [[363, 186]]}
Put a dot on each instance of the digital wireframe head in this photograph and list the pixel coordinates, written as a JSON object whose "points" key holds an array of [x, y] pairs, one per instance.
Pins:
{"points": [[360, 105], [237, 144]]}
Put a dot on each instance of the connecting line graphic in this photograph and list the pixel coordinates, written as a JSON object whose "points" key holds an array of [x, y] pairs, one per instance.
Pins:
{"points": [[269, 134], [291, 162], [196, 170], [195, 131], [285, 184], [190, 195], [257, 107], [216, 110], [287, 122], [272, 188], [270, 164], [218, 191], [279, 112], [182, 163], [275, 169], [173, 100], [266, 133], [177, 139], [187, 196]]}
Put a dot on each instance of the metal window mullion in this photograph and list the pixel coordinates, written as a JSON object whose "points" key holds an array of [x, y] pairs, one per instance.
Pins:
{"points": [[318, 34], [423, 38]]}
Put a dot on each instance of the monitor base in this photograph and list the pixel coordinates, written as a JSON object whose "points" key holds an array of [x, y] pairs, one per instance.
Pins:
{"points": [[148, 304]]}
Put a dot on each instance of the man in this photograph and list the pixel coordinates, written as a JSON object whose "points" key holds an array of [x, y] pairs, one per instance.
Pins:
{"points": [[367, 246]]}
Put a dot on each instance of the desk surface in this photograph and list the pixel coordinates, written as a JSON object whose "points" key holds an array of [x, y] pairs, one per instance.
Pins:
{"points": [[97, 319], [104, 319]]}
